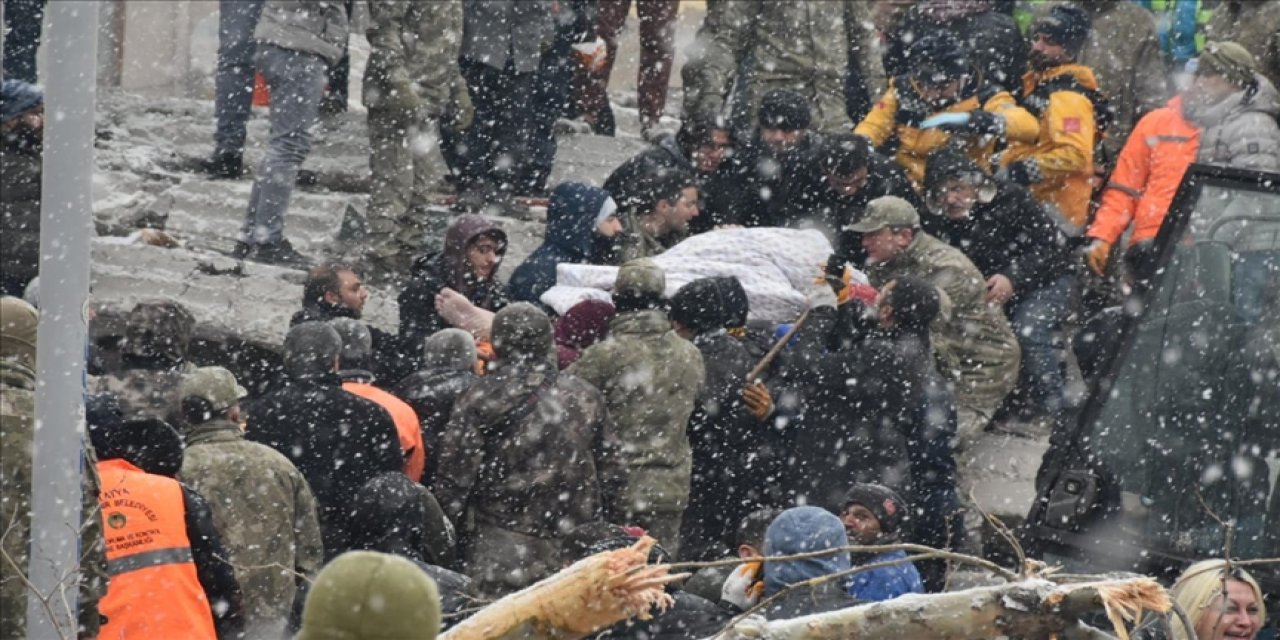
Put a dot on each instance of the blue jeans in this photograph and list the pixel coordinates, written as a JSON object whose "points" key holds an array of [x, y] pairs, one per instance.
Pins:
{"points": [[233, 99], [296, 81], [1037, 320]]}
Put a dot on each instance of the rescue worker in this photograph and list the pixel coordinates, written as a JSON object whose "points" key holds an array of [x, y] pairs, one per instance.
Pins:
{"points": [[264, 509], [156, 338], [651, 379], [529, 454], [357, 351], [448, 370], [412, 86], [18, 322], [1226, 117], [1123, 49], [336, 439], [973, 339], [723, 434], [805, 46], [1058, 165], [943, 99], [1254, 26], [659, 219], [169, 574]]}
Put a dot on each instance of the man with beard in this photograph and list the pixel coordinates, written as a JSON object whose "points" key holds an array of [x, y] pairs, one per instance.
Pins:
{"points": [[335, 290], [1226, 117], [582, 228], [943, 99], [1058, 165], [21, 156], [771, 165], [660, 217]]}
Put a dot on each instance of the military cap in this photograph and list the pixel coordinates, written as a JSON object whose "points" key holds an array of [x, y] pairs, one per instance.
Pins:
{"points": [[214, 385], [886, 211], [18, 322], [643, 277]]}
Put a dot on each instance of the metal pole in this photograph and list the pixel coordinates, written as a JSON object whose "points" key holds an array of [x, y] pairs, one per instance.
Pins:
{"points": [[66, 225]]}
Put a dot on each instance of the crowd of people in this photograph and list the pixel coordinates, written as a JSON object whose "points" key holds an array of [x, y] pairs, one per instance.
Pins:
{"points": [[978, 171]]}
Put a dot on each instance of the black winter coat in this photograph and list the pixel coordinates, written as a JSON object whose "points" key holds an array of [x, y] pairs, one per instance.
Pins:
{"points": [[766, 185], [418, 316], [338, 441], [828, 596], [867, 414], [432, 393], [716, 196], [1011, 235], [726, 440], [815, 204]]}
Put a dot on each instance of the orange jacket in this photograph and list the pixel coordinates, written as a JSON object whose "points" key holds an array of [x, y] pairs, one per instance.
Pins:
{"points": [[1147, 174], [407, 425], [153, 591], [1062, 156]]}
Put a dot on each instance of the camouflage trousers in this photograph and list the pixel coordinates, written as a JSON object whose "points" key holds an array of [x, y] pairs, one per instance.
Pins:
{"points": [[983, 376], [500, 561], [407, 167], [656, 499]]}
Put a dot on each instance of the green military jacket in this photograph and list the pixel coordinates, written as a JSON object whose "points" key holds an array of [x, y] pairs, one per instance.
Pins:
{"points": [[638, 242], [975, 344], [418, 43], [264, 510], [17, 435], [651, 379], [802, 45]]}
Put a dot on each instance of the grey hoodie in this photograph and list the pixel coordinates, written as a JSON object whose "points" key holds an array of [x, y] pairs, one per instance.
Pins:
{"points": [[1241, 130]]}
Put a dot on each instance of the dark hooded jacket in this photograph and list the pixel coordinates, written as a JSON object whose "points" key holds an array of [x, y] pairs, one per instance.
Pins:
{"points": [[876, 410], [815, 204], [1008, 231], [715, 198], [431, 274], [447, 373], [724, 437], [570, 238], [992, 38], [802, 530], [528, 452], [767, 184], [393, 514], [336, 439]]}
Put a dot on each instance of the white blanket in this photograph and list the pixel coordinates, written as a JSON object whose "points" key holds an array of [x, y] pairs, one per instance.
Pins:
{"points": [[776, 266]]}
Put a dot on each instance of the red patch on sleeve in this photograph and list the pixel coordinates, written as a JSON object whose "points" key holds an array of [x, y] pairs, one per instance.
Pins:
{"points": [[1071, 125]]}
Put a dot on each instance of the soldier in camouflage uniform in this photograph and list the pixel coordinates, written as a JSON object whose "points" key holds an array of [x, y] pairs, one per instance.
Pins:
{"points": [[972, 339], [652, 379], [155, 359], [528, 455], [412, 85], [801, 45], [262, 506], [17, 434]]}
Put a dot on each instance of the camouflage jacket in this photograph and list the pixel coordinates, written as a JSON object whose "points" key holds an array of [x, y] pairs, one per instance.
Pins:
{"points": [[973, 340], [638, 243], [266, 514], [652, 379], [802, 45], [415, 42], [17, 432], [553, 468], [149, 392]]}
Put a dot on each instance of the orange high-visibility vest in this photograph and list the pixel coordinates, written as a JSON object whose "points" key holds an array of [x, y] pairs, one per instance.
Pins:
{"points": [[407, 426], [153, 591]]}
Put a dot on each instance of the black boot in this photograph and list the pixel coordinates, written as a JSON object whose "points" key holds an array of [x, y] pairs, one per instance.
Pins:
{"points": [[223, 166], [280, 253]]}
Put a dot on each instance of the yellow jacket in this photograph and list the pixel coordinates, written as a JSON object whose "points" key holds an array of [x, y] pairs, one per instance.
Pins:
{"points": [[1058, 166], [915, 144]]}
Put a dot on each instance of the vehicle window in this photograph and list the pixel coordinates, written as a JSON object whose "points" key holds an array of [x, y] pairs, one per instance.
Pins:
{"points": [[1191, 428]]}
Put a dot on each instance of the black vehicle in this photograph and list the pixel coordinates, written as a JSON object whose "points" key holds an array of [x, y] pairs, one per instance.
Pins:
{"points": [[1174, 453]]}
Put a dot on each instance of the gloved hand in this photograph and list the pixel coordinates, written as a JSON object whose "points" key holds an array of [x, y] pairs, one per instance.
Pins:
{"points": [[1097, 254], [592, 55], [1023, 172], [400, 97], [758, 400], [744, 586], [461, 113], [946, 121], [822, 296]]}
